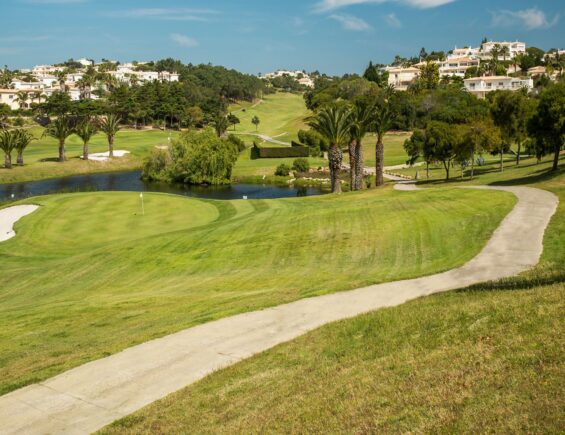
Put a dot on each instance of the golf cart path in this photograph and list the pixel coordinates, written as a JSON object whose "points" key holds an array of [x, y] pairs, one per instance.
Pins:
{"points": [[9, 216], [265, 138], [93, 395]]}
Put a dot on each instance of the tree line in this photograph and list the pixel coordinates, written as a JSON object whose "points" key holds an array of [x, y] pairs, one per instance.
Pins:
{"points": [[450, 125]]}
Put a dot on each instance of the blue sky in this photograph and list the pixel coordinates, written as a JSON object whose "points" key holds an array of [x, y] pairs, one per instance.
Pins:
{"points": [[333, 36]]}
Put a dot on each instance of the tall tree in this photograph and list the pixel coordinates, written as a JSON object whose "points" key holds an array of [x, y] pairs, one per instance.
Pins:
{"points": [[442, 142], [381, 121], [110, 125], [481, 136], [60, 129], [334, 124], [23, 139], [360, 123], [220, 124], [86, 129], [22, 98], [547, 126], [233, 120], [511, 111]]}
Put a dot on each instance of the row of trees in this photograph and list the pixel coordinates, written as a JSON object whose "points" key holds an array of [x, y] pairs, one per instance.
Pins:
{"points": [[454, 126], [14, 140]]}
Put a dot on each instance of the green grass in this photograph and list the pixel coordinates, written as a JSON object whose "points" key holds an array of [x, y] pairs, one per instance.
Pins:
{"points": [[41, 156], [484, 359], [87, 276], [281, 115]]}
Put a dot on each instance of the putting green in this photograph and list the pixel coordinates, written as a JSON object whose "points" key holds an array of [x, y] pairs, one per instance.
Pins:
{"points": [[87, 275]]}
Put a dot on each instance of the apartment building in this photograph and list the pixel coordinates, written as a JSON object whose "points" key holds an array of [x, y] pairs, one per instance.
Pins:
{"points": [[480, 86]]}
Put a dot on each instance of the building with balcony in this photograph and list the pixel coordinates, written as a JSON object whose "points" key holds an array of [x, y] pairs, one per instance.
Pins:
{"points": [[480, 86]]}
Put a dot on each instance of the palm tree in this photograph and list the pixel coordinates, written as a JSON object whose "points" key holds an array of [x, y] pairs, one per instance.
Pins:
{"points": [[333, 123], [22, 98], [382, 119], [504, 52], [85, 130], [61, 78], [360, 123], [110, 127], [60, 129], [23, 139], [220, 124], [8, 143], [37, 95]]}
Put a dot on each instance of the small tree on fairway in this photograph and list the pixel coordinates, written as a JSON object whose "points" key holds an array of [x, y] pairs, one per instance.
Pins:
{"points": [[415, 148], [442, 141], [256, 121], [334, 124], [233, 120], [85, 130], [110, 125], [60, 129], [547, 126], [23, 139], [8, 141], [481, 136]]}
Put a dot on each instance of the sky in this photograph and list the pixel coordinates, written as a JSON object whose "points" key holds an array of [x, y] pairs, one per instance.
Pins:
{"points": [[259, 36]]}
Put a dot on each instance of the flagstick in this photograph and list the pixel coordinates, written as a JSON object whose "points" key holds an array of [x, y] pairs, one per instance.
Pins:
{"points": [[142, 206]]}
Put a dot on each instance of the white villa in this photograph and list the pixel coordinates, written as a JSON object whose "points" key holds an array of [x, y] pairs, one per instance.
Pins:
{"points": [[300, 76], [463, 52], [480, 86], [400, 77], [10, 97], [513, 47]]}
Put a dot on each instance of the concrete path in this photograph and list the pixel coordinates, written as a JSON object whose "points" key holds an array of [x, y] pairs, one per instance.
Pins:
{"points": [[263, 137], [9, 216], [93, 395]]}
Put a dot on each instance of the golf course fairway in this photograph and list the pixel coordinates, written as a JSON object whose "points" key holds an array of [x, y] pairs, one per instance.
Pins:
{"points": [[88, 275]]}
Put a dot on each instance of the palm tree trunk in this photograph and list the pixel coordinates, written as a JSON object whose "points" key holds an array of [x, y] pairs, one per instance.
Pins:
{"points": [[8, 160], [358, 165], [379, 160], [61, 151], [352, 165], [335, 157], [427, 169], [20, 160], [556, 157], [501, 160], [111, 146], [85, 151]]}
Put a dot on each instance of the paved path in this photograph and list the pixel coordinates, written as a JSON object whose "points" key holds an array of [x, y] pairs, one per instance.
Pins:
{"points": [[263, 137], [9, 216], [93, 395]]}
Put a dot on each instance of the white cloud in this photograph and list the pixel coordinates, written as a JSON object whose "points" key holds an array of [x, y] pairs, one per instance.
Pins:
{"points": [[170, 14], [183, 40], [393, 21], [349, 22], [533, 18], [331, 5]]}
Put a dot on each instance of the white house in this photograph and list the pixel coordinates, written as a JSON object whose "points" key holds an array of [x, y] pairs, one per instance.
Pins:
{"points": [[480, 86], [20, 85], [463, 52], [400, 78], [85, 62], [166, 76], [9, 97], [513, 47], [457, 66]]}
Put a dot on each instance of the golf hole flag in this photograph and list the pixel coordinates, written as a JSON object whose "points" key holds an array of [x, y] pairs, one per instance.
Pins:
{"points": [[142, 207]]}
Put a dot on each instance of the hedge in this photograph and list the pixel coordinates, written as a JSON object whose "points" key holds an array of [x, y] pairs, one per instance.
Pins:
{"points": [[280, 152]]}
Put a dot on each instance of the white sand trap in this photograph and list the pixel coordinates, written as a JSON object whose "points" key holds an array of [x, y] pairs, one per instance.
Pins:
{"points": [[102, 157], [9, 216]]}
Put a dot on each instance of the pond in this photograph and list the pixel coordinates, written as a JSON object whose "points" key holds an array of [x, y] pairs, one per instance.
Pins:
{"points": [[131, 181]]}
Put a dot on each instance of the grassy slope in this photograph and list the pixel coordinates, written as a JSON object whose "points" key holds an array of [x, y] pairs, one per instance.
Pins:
{"points": [[40, 157], [489, 358], [281, 115], [87, 276]]}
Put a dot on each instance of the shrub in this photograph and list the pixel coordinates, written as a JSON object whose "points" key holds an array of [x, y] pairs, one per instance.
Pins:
{"points": [[301, 165], [282, 170], [238, 142], [155, 165], [282, 152]]}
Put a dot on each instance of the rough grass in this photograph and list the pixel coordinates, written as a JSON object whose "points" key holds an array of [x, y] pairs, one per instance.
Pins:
{"points": [[484, 359], [87, 276]]}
